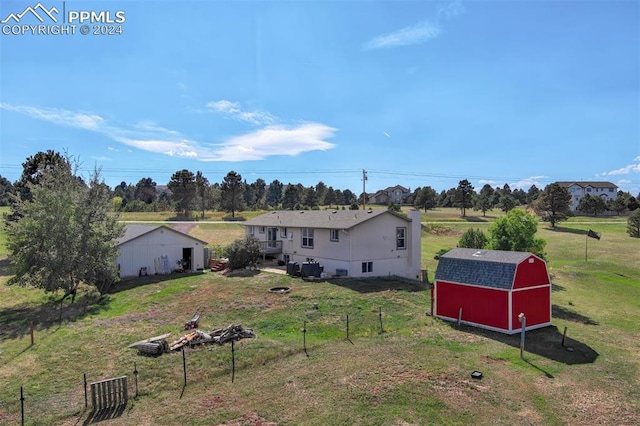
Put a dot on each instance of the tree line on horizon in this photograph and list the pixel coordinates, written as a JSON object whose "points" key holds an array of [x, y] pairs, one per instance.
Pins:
{"points": [[187, 192], [61, 230]]}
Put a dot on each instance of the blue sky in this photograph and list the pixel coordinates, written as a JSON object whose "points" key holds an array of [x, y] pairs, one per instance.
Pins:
{"points": [[415, 92]]}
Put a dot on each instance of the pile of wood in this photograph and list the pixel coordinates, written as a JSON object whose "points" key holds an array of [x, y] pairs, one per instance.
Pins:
{"points": [[233, 332], [158, 344], [220, 336], [195, 337], [153, 345]]}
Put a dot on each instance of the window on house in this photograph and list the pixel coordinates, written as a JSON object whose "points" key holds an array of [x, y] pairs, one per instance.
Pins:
{"points": [[610, 189], [283, 232], [367, 267], [335, 234], [251, 231], [401, 238], [588, 189], [261, 229], [307, 237]]}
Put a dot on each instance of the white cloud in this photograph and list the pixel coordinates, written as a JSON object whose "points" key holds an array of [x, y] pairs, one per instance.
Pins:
{"points": [[631, 168], [276, 140], [523, 184], [412, 34], [149, 136], [451, 9], [233, 110], [58, 116], [167, 147], [527, 183], [153, 127], [417, 33]]}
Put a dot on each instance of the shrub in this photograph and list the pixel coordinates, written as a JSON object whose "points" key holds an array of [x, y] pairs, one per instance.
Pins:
{"points": [[633, 224], [242, 253]]}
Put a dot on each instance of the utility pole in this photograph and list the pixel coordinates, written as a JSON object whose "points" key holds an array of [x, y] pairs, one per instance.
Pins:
{"points": [[364, 189]]}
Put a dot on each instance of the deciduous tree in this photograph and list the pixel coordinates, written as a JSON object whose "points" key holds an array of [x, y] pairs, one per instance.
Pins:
{"points": [[65, 234], [516, 232]]}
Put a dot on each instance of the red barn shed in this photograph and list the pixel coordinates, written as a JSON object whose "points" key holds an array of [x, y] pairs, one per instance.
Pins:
{"points": [[492, 288]]}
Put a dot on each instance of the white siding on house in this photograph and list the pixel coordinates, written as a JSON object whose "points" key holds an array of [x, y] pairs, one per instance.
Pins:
{"points": [[370, 241], [146, 252]]}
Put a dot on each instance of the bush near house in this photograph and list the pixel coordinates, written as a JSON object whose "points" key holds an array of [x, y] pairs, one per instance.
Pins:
{"points": [[242, 253]]}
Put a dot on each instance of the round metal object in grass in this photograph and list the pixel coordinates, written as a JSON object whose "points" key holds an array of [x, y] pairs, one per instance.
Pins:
{"points": [[280, 290]]}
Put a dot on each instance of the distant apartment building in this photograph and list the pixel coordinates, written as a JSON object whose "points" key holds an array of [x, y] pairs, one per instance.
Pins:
{"points": [[577, 189]]}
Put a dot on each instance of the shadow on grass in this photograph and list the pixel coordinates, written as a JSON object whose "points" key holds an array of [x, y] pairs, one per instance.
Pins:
{"points": [[106, 414], [374, 285], [567, 315], [5, 267], [545, 342], [129, 283], [567, 230], [556, 287], [475, 219], [16, 319]]}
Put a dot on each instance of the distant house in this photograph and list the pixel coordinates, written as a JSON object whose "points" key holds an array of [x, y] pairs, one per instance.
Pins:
{"points": [[356, 243], [397, 194], [490, 288], [605, 190], [150, 250]]}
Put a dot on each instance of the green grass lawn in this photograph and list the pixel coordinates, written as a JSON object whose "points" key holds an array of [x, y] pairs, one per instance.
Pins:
{"points": [[416, 372]]}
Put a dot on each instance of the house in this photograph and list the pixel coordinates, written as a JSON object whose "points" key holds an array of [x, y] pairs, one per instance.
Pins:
{"points": [[397, 194], [490, 288], [605, 190], [357, 243], [149, 250]]}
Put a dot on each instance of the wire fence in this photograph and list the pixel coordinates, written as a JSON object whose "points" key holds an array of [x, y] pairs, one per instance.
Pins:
{"points": [[29, 404]]}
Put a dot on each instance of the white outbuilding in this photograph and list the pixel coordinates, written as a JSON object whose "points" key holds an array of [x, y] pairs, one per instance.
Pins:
{"points": [[158, 249]]}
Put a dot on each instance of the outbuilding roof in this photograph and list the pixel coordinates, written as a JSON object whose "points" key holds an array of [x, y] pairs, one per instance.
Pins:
{"points": [[329, 219], [131, 232], [487, 268]]}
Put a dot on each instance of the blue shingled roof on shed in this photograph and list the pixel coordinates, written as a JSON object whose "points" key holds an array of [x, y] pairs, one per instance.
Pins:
{"points": [[486, 268]]}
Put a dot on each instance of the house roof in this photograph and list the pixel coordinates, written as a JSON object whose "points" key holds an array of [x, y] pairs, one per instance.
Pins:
{"points": [[486, 268], [400, 187], [131, 232], [330, 219], [584, 184]]}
